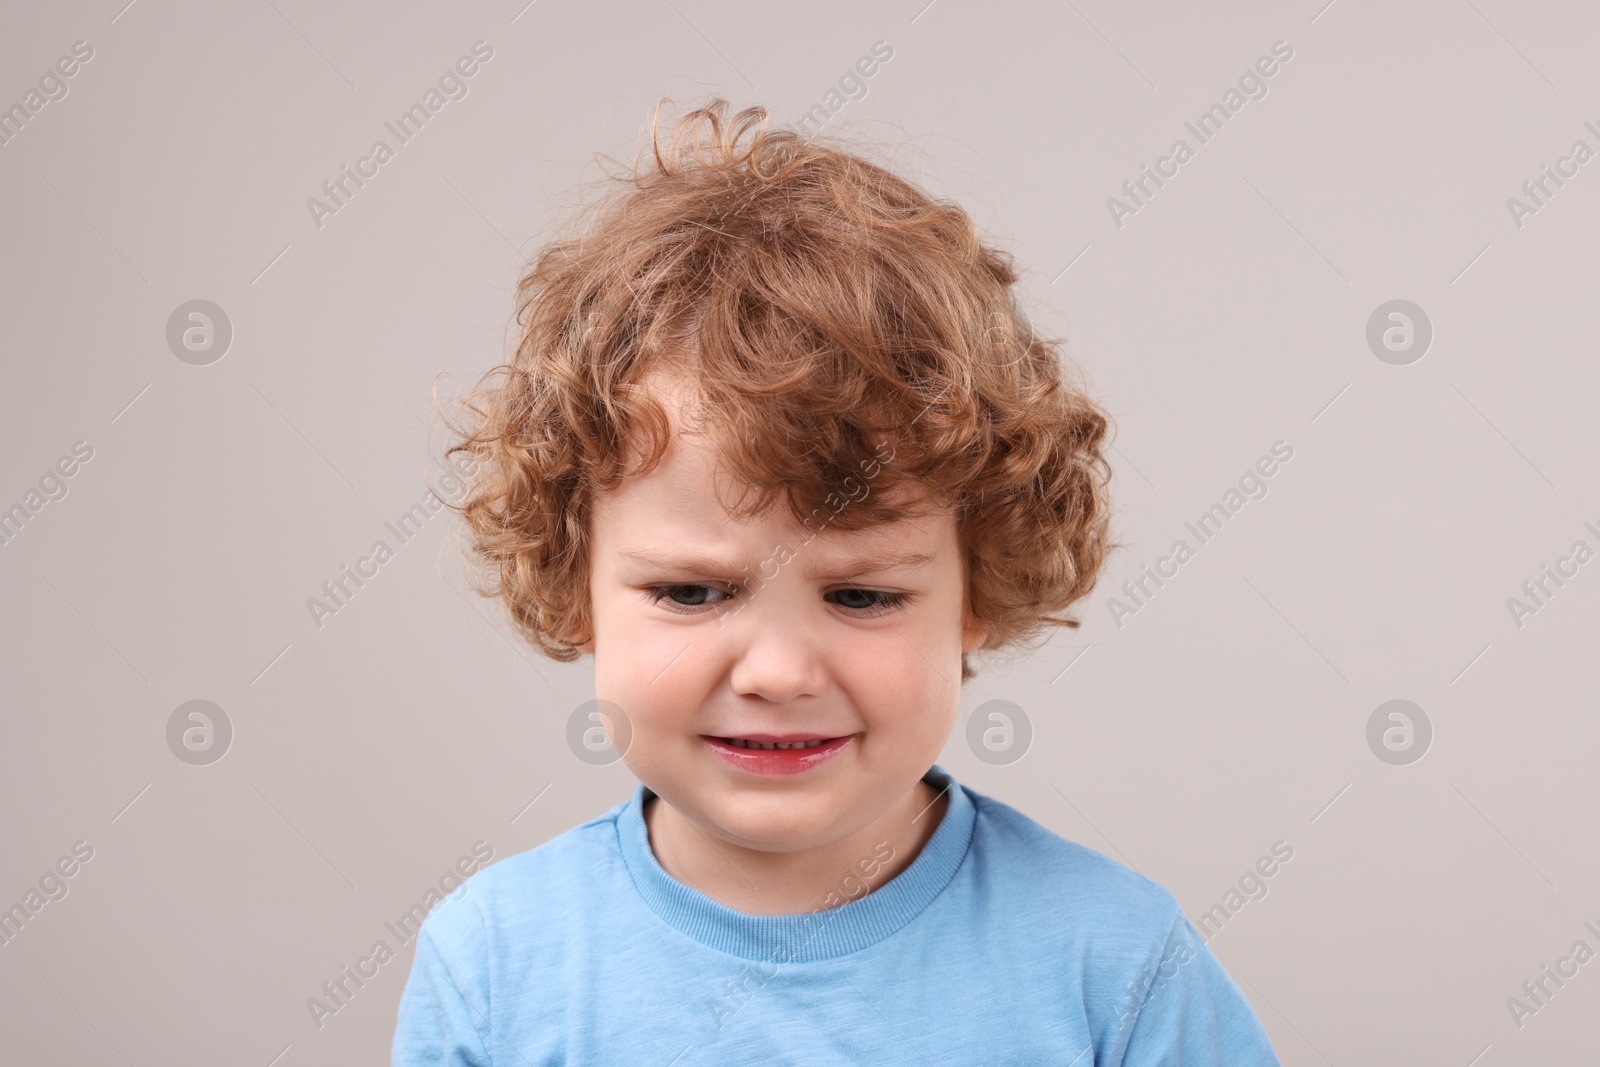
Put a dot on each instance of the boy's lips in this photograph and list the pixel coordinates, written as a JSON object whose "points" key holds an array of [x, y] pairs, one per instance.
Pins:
{"points": [[778, 761]]}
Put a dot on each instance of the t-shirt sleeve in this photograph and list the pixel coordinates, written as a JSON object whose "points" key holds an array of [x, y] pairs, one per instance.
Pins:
{"points": [[1192, 1013], [440, 1025]]}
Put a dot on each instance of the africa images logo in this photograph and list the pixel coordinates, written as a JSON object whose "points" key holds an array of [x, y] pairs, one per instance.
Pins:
{"points": [[452, 85], [1252, 85]]}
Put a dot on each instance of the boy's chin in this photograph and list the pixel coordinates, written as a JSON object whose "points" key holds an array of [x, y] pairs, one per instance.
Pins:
{"points": [[773, 823]]}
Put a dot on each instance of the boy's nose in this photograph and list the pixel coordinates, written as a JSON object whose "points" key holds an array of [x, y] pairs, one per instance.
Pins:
{"points": [[777, 659]]}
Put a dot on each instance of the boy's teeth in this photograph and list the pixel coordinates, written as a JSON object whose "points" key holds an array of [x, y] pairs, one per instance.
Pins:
{"points": [[737, 742]]}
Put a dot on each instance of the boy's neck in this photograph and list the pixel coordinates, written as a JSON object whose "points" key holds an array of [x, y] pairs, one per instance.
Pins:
{"points": [[788, 883]]}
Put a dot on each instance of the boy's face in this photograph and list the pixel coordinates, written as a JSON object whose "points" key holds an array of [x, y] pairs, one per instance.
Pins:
{"points": [[842, 642]]}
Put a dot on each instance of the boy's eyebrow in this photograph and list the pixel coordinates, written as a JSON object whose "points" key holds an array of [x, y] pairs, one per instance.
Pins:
{"points": [[867, 563]]}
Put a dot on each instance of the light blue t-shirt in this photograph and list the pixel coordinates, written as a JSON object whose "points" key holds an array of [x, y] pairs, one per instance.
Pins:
{"points": [[1001, 943]]}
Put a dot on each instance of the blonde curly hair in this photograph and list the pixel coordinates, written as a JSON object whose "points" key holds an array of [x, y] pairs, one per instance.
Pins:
{"points": [[821, 307]]}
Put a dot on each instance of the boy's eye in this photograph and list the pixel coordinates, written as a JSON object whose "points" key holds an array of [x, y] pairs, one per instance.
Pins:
{"points": [[693, 596], [885, 602]]}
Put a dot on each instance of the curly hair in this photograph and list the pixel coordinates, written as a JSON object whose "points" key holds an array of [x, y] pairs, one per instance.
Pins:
{"points": [[822, 307]]}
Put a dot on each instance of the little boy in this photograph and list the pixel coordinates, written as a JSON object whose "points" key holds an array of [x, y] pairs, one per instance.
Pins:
{"points": [[779, 451]]}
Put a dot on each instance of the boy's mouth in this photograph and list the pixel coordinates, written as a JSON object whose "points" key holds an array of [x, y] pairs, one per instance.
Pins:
{"points": [[768, 754], [762, 741]]}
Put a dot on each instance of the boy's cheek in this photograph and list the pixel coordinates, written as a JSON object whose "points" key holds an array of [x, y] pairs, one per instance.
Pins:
{"points": [[653, 678]]}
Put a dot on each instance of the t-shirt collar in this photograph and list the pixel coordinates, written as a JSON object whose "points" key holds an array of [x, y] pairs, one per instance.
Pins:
{"points": [[818, 935]]}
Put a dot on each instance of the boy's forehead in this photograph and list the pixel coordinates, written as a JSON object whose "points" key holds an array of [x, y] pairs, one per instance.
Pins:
{"points": [[713, 542], [836, 565], [683, 502], [680, 502]]}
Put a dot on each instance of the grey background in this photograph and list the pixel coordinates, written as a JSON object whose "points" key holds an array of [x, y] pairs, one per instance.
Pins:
{"points": [[1228, 314]]}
